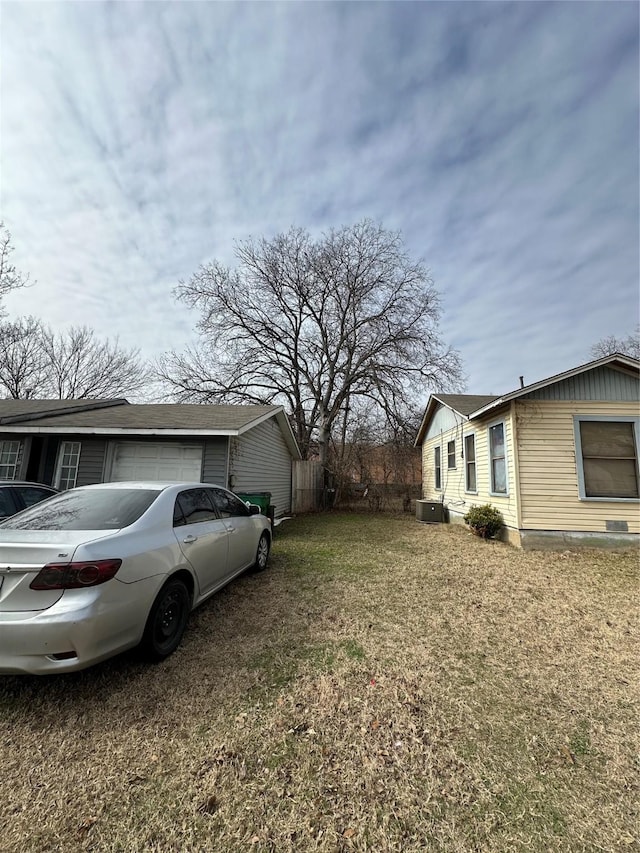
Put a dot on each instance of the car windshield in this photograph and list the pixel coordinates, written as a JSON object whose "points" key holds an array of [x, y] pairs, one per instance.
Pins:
{"points": [[100, 509]]}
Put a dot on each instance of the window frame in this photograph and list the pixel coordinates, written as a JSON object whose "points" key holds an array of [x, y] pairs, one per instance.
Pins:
{"points": [[451, 454], [577, 420], [57, 482], [437, 468], [501, 422], [470, 435], [19, 454], [217, 494], [179, 517]]}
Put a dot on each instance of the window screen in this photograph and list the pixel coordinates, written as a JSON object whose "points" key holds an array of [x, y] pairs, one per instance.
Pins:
{"points": [[470, 462], [498, 460], [609, 459]]}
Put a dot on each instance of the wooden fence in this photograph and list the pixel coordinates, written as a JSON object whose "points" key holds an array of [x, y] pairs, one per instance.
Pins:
{"points": [[307, 486]]}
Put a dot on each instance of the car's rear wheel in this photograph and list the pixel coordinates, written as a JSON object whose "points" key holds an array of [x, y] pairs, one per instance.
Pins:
{"points": [[262, 554], [167, 621]]}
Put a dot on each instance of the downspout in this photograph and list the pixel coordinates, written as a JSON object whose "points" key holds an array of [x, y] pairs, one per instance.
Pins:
{"points": [[227, 473]]}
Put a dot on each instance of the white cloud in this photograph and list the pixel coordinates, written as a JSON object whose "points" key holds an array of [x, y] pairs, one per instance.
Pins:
{"points": [[141, 139]]}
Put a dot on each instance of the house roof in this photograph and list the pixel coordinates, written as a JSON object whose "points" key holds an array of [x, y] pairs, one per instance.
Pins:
{"points": [[473, 406], [118, 417], [465, 404], [24, 410]]}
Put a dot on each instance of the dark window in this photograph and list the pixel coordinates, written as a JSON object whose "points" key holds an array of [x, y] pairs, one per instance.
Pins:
{"points": [[33, 494], [470, 462], [99, 509], [437, 468], [6, 503], [178, 515], [193, 505], [609, 459], [228, 504], [451, 454]]}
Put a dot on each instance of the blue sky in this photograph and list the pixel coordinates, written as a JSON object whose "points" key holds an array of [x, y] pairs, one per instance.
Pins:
{"points": [[139, 140]]}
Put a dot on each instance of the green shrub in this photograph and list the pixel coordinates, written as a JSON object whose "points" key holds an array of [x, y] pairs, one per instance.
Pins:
{"points": [[485, 521]]}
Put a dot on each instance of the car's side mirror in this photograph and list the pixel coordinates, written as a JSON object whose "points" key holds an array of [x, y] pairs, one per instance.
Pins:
{"points": [[254, 509]]}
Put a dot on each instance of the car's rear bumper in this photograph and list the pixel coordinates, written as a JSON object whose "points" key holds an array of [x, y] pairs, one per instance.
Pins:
{"points": [[84, 627]]}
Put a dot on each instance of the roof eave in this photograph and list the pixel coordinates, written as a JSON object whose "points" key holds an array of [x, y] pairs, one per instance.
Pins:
{"points": [[431, 404], [132, 432]]}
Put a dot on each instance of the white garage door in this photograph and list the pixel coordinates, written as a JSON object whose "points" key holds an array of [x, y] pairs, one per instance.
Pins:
{"points": [[157, 462]]}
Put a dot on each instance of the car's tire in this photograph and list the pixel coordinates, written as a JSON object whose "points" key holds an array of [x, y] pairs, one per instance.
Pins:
{"points": [[167, 621], [262, 553]]}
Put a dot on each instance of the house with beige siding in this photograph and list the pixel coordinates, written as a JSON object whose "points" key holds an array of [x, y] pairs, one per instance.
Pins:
{"points": [[67, 443], [558, 458]]}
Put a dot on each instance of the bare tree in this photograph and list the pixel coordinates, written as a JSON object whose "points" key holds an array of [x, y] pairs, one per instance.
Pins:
{"points": [[38, 362], [22, 360], [378, 454], [82, 366], [626, 346], [10, 277], [317, 326]]}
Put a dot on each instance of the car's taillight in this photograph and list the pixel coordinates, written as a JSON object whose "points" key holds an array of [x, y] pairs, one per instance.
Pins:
{"points": [[75, 575]]}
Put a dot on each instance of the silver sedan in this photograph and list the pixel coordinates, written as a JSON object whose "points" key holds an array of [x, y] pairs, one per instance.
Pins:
{"points": [[100, 569]]}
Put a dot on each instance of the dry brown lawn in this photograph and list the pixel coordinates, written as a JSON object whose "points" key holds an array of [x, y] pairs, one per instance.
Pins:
{"points": [[385, 686]]}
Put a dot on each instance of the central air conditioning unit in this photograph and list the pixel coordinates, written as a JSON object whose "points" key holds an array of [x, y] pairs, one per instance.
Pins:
{"points": [[430, 511]]}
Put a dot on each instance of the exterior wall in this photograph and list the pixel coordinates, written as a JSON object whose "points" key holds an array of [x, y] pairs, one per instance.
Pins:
{"points": [[90, 467], [92, 456], [548, 468], [555, 540], [443, 420], [214, 463], [260, 461], [601, 383], [453, 493]]}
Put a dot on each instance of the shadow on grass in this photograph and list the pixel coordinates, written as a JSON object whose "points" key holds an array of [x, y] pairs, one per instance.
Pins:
{"points": [[221, 636]]}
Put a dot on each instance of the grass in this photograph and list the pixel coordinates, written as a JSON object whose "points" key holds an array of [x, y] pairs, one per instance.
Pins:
{"points": [[385, 686]]}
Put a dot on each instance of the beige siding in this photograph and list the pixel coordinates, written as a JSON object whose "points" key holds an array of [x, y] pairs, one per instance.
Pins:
{"points": [[548, 472], [453, 481]]}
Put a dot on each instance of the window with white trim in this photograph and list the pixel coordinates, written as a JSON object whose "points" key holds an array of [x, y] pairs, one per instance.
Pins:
{"points": [[470, 463], [437, 467], [607, 457], [498, 459], [451, 454], [10, 459], [67, 467]]}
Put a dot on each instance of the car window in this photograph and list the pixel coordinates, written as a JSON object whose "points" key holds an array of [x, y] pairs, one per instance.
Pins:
{"points": [[6, 503], [193, 506], [33, 494], [80, 509], [228, 504]]}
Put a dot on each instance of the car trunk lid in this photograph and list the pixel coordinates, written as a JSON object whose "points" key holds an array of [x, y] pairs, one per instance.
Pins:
{"points": [[23, 553]]}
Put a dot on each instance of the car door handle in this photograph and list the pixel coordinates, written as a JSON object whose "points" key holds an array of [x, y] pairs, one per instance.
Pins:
{"points": [[230, 529], [189, 539]]}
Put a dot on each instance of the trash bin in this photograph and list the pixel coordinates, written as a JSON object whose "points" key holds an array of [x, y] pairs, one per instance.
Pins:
{"points": [[261, 499]]}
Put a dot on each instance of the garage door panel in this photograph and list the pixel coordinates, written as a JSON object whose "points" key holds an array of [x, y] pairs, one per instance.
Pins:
{"points": [[156, 461]]}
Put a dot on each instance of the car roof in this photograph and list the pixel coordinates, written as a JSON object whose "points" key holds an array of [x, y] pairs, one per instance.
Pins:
{"points": [[26, 483], [151, 485]]}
